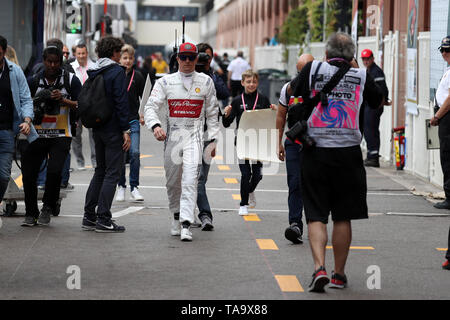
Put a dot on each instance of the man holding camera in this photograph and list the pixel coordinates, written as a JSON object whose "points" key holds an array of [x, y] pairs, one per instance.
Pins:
{"points": [[333, 173], [16, 113], [203, 65], [55, 93]]}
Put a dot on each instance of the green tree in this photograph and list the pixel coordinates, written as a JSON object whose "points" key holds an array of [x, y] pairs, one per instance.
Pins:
{"points": [[309, 16], [315, 17], [295, 27]]}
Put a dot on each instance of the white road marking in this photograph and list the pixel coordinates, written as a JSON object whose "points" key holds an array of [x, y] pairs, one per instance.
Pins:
{"points": [[417, 214], [263, 190], [117, 214]]}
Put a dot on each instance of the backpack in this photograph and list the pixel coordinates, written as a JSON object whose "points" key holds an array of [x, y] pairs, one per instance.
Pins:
{"points": [[93, 105]]}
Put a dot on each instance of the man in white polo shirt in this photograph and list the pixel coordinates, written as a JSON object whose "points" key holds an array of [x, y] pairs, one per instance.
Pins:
{"points": [[235, 70]]}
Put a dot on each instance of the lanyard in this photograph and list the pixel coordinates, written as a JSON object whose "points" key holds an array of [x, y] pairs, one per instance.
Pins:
{"points": [[3, 69], [256, 101], [131, 81]]}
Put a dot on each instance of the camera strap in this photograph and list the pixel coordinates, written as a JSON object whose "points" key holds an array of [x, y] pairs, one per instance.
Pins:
{"points": [[322, 96]]}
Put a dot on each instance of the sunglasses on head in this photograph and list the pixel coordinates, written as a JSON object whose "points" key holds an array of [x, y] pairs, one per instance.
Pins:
{"points": [[184, 57], [444, 50]]}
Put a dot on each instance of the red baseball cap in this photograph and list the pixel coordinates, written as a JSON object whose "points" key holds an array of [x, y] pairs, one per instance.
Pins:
{"points": [[366, 53], [188, 48]]}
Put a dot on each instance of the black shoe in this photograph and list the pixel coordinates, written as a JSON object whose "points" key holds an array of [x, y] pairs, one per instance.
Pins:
{"points": [[110, 227], [338, 281], [372, 163], [319, 280], [88, 224], [29, 221], [68, 187], [45, 216], [206, 223], [442, 205], [294, 234], [446, 265]]}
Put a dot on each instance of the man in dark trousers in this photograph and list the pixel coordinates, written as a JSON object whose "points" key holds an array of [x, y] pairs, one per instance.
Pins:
{"points": [[111, 140], [442, 118], [372, 116], [206, 54]]}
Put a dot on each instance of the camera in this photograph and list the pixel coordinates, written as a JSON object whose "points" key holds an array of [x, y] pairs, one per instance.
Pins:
{"points": [[300, 132], [203, 59], [298, 127], [44, 104]]}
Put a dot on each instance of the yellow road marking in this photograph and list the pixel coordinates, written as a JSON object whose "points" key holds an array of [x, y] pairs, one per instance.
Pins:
{"points": [[237, 197], [19, 181], [153, 167], [143, 156], [224, 168], [441, 249], [252, 217], [289, 283], [266, 244], [356, 248], [231, 180]]}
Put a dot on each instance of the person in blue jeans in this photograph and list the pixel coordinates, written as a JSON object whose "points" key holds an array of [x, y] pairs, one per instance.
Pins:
{"points": [[135, 88], [292, 154], [16, 113]]}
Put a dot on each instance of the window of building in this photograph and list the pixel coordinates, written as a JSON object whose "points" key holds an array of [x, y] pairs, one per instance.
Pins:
{"points": [[160, 13], [16, 25]]}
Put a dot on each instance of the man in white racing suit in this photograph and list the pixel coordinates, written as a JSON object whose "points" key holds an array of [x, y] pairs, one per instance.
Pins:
{"points": [[189, 100]]}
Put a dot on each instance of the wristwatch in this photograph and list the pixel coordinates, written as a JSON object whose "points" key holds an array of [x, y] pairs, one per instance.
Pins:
{"points": [[28, 122], [127, 131]]}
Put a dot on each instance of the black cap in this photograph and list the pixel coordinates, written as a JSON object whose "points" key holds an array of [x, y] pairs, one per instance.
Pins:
{"points": [[445, 43]]}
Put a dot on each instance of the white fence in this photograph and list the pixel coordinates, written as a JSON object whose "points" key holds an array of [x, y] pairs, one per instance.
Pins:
{"points": [[420, 161], [269, 57], [232, 53], [285, 58]]}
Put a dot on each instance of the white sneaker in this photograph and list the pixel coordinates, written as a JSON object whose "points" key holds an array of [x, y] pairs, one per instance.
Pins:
{"points": [[176, 228], [120, 197], [136, 195], [186, 234], [81, 168], [243, 211], [251, 200]]}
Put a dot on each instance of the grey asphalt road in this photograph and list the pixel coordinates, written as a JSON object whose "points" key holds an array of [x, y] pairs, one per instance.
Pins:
{"points": [[394, 256]]}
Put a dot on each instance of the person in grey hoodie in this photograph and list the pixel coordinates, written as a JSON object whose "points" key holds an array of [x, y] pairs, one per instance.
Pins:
{"points": [[16, 113], [111, 140]]}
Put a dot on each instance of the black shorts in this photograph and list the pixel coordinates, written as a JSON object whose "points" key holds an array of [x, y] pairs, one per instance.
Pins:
{"points": [[334, 180]]}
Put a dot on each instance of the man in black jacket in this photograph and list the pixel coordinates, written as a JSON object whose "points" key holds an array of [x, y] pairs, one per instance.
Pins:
{"points": [[372, 116], [222, 93], [111, 140]]}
